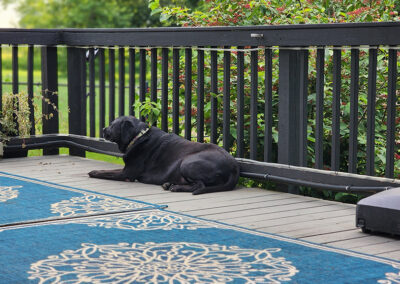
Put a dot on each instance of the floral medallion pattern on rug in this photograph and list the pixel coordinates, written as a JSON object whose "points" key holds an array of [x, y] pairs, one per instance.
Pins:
{"points": [[151, 220], [172, 262], [92, 204], [8, 192], [391, 278]]}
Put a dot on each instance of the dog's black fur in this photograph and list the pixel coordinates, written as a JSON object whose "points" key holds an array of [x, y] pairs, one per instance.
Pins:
{"points": [[166, 159]]}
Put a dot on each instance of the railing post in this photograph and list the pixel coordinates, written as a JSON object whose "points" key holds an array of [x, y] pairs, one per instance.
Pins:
{"points": [[50, 94], [289, 109], [76, 66]]}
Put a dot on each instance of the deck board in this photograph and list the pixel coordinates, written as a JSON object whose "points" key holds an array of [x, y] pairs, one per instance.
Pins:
{"points": [[310, 219]]}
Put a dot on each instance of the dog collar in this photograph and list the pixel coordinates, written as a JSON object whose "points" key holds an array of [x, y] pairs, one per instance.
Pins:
{"points": [[141, 133]]}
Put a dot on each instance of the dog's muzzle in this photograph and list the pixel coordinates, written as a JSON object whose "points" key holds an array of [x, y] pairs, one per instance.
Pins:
{"points": [[106, 133]]}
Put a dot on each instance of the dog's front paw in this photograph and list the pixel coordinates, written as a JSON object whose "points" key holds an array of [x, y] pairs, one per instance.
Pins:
{"points": [[93, 174], [166, 186], [176, 188]]}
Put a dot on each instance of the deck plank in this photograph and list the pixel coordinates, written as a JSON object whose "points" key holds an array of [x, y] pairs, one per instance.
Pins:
{"points": [[310, 219]]}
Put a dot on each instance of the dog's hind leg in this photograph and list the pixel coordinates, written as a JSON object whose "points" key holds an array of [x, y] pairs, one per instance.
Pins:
{"points": [[198, 185]]}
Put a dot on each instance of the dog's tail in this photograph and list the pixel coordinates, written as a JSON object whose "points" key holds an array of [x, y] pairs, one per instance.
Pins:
{"points": [[229, 185]]}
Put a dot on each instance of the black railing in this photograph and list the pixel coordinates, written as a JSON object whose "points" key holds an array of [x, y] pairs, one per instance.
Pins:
{"points": [[265, 69]]}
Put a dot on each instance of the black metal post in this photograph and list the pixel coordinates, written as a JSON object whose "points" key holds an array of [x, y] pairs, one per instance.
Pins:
{"points": [[289, 94], [76, 66], [50, 94]]}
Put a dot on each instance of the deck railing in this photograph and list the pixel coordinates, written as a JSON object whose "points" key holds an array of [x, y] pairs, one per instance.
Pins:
{"points": [[246, 88]]}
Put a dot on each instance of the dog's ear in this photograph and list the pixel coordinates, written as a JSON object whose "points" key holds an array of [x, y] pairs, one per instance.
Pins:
{"points": [[127, 132]]}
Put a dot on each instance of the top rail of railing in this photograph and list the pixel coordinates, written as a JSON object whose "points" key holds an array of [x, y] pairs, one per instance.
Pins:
{"points": [[338, 34]]}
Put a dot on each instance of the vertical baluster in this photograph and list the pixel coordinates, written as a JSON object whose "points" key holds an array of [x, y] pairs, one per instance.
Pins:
{"points": [[335, 153], [121, 79], [92, 94], [303, 107], [30, 89], [102, 91], [226, 100], [164, 90], [371, 111], [188, 93], [200, 96], [142, 78], [214, 101], [175, 91], [240, 103], [132, 85], [111, 79], [1, 79], [268, 106], [15, 82], [253, 104], [391, 113], [319, 102], [354, 87], [142, 75], [153, 63], [15, 69]]}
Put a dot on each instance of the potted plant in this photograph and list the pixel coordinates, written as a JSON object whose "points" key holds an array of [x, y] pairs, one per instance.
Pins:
{"points": [[14, 118]]}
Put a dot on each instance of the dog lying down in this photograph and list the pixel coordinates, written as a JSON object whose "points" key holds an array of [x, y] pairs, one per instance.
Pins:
{"points": [[156, 157]]}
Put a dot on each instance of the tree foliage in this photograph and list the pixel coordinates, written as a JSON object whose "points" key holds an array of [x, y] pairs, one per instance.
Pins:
{"points": [[277, 12], [87, 13]]}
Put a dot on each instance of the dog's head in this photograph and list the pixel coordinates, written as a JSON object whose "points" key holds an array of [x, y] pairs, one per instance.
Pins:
{"points": [[123, 130]]}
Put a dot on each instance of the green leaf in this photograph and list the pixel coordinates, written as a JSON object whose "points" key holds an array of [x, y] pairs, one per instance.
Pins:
{"points": [[155, 11], [154, 5], [164, 17]]}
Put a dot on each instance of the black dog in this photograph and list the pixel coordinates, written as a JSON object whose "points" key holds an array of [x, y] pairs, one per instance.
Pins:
{"points": [[155, 157]]}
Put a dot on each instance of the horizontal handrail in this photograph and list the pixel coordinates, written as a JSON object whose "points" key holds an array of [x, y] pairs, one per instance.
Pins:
{"points": [[316, 185], [337, 34], [97, 145]]}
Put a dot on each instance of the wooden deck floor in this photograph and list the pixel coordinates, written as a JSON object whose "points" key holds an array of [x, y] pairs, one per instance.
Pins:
{"points": [[305, 218]]}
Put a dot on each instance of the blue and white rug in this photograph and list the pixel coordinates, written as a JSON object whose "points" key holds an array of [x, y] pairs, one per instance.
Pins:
{"points": [[29, 200], [159, 246]]}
